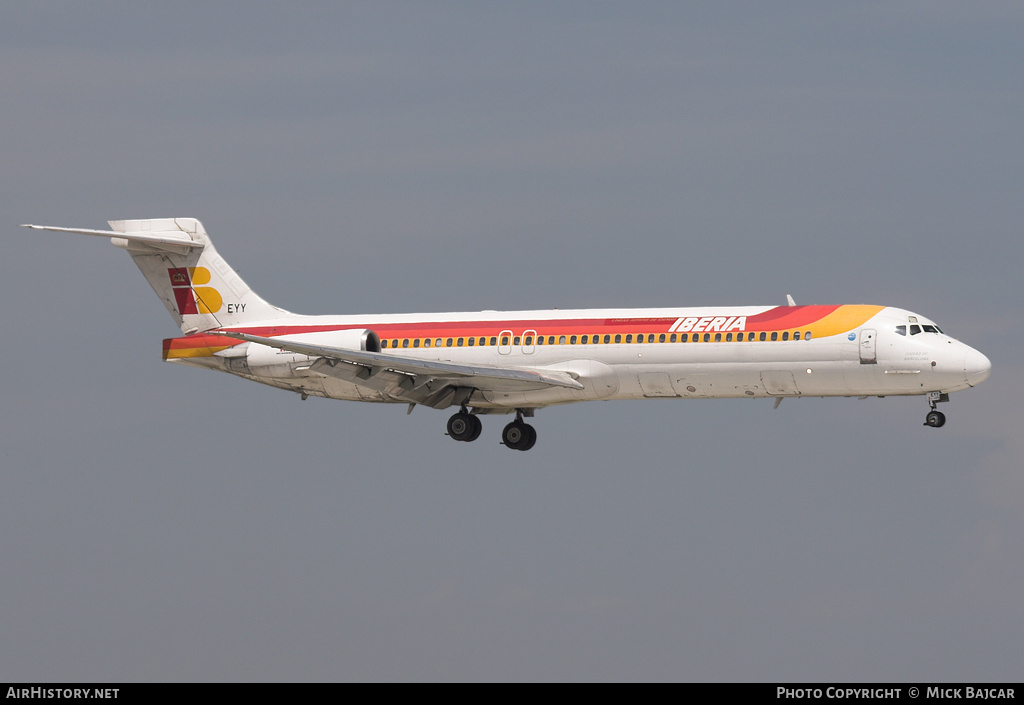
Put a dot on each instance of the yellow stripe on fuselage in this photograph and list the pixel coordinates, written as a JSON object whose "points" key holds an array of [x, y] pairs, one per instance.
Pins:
{"points": [[843, 319]]}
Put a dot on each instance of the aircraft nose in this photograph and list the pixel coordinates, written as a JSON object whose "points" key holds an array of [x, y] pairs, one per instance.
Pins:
{"points": [[977, 367]]}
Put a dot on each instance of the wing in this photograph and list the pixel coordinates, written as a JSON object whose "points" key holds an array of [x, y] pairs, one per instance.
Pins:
{"points": [[430, 382]]}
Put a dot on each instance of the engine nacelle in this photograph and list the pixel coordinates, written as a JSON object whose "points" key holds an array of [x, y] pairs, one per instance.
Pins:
{"points": [[353, 339], [265, 361]]}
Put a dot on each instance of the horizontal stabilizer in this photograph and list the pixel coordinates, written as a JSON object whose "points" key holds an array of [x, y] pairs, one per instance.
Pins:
{"points": [[177, 238]]}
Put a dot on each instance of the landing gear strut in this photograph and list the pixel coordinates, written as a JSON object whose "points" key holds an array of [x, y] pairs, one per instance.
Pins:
{"points": [[464, 426], [935, 419], [519, 435]]}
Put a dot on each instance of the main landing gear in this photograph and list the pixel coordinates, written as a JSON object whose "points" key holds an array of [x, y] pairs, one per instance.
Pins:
{"points": [[935, 419], [518, 435], [464, 426]]}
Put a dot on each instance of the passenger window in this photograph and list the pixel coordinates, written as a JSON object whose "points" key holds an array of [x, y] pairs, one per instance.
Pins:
{"points": [[494, 340], [540, 340], [416, 343], [551, 340], [707, 337], [459, 342], [448, 343], [572, 340], [914, 330], [426, 343], [383, 343], [437, 343], [584, 340], [785, 336], [618, 337], [728, 337], [515, 341], [684, 337], [607, 339], [405, 342], [561, 340], [718, 337], [504, 340], [902, 330], [775, 335], [807, 335], [661, 338], [529, 340], [750, 336], [471, 341], [629, 338], [672, 338], [763, 336], [394, 343], [650, 338]]}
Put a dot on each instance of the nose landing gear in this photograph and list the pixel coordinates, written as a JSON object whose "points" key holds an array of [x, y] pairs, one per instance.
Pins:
{"points": [[935, 419]]}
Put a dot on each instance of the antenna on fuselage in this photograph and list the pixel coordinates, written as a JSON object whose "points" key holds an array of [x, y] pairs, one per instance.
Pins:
{"points": [[789, 300]]}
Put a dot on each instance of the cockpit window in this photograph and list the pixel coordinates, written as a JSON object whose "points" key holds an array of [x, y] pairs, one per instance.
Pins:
{"points": [[902, 330], [915, 329], [930, 329]]}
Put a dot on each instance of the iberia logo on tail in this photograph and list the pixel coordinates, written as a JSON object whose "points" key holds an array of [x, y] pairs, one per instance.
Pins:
{"points": [[190, 297]]}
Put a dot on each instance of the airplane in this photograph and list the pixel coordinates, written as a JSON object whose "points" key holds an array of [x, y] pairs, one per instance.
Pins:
{"points": [[494, 362]]}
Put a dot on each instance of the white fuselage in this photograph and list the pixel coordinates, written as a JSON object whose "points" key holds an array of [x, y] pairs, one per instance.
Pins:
{"points": [[868, 358]]}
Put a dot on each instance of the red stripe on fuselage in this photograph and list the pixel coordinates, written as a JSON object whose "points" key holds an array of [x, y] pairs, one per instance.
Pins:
{"points": [[442, 329], [779, 318]]}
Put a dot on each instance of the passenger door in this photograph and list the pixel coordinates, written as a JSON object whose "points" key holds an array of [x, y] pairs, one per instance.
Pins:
{"points": [[868, 353]]}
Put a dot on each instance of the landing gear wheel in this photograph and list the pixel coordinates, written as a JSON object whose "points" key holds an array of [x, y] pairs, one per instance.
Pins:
{"points": [[531, 437], [464, 426], [935, 419], [519, 436], [477, 428]]}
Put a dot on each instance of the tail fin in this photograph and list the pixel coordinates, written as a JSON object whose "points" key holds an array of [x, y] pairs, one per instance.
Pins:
{"points": [[200, 290]]}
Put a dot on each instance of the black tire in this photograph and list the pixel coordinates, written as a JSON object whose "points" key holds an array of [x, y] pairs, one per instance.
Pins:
{"points": [[935, 419], [461, 427], [531, 437], [519, 436], [514, 435], [477, 428]]}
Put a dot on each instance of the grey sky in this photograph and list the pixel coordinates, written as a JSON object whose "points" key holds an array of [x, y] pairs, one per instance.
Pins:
{"points": [[162, 523]]}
